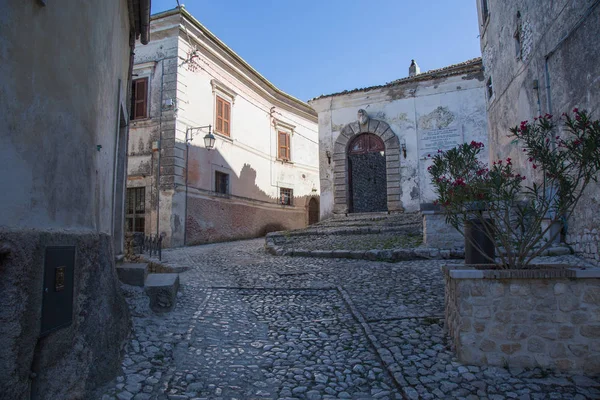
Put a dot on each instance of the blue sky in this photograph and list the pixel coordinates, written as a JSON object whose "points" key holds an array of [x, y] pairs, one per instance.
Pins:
{"points": [[313, 47]]}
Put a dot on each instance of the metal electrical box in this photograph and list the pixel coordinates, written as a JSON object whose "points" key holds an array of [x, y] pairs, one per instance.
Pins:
{"points": [[57, 304]]}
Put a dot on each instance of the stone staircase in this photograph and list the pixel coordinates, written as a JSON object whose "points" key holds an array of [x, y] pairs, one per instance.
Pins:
{"points": [[161, 288], [372, 236]]}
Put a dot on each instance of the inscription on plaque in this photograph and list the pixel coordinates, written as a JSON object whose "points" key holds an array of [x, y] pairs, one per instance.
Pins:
{"points": [[439, 139]]}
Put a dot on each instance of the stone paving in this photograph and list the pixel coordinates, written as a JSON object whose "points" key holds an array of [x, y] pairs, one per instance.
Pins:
{"points": [[249, 325]]}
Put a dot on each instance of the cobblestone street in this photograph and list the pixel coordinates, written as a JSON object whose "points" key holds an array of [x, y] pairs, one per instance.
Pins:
{"points": [[249, 325]]}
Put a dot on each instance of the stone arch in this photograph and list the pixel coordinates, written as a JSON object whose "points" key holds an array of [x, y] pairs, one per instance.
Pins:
{"points": [[340, 161]]}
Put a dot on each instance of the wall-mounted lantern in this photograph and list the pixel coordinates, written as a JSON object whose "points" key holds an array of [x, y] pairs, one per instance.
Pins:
{"points": [[209, 140], [403, 147], [328, 154]]}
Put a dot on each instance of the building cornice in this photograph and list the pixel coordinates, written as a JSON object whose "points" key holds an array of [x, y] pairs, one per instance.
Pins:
{"points": [[258, 82]]}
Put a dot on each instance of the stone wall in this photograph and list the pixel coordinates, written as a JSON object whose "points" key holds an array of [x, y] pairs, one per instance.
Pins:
{"points": [[586, 243], [220, 219], [69, 362], [437, 233], [556, 71], [525, 318]]}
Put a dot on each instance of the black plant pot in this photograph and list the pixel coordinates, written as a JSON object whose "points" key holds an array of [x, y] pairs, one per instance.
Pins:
{"points": [[485, 251]]}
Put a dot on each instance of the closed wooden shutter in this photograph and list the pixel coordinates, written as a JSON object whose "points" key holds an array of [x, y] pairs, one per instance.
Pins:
{"points": [[284, 146], [223, 122], [139, 108]]}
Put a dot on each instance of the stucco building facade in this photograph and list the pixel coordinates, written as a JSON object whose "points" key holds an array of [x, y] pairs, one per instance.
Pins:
{"points": [[374, 143], [542, 57], [262, 173], [64, 79]]}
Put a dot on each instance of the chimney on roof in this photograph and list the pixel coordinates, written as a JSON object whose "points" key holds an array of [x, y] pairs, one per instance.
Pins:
{"points": [[413, 69]]}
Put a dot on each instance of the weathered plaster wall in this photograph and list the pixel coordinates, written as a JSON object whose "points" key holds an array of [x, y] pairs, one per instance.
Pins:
{"points": [[249, 155], [212, 219], [409, 109], [63, 83], [565, 34], [71, 361], [58, 110], [158, 62]]}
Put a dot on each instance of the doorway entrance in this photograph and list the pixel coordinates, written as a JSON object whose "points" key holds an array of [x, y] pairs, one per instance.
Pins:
{"points": [[367, 174], [313, 211]]}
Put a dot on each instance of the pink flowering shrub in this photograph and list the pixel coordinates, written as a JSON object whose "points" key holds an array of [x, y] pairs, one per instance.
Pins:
{"points": [[510, 207]]}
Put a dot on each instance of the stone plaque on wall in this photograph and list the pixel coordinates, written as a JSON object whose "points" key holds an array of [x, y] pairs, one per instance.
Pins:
{"points": [[430, 141]]}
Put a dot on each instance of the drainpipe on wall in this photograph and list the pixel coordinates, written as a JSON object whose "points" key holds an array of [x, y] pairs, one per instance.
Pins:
{"points": [[145, 21]]}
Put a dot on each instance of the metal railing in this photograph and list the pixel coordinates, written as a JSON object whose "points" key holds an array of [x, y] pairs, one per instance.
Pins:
{"points": [[152, 245]]}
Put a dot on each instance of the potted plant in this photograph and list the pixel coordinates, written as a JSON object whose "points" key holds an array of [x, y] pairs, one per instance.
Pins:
{"points": [[510, 311], [498, 200]]}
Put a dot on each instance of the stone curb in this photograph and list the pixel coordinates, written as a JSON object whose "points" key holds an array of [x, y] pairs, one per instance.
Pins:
{"points": [[395, 255], [386, 357]]}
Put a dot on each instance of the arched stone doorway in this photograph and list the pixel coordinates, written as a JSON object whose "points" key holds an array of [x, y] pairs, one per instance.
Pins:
{"points": [[367, 181], [313, 211], [341, 171]]}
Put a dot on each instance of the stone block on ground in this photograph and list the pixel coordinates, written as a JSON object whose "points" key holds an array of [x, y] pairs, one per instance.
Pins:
{"points": [[133, 273], [162, 291]]}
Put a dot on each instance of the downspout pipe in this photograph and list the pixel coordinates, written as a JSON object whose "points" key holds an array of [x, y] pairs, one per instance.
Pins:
{"points": [[187, 153], [145, 6]]}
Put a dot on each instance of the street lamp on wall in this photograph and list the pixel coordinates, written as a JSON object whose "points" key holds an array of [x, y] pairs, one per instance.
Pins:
{"points": [[209, 140]]}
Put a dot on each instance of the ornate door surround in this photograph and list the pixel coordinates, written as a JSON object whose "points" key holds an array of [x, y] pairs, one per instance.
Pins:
{"points": [[340, 160]]}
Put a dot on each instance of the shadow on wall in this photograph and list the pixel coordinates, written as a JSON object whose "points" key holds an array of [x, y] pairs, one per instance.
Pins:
{"points": [[245, 211]]}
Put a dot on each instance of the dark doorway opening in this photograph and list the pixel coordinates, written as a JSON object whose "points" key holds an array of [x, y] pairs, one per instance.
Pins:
{"points": [[313, 211], [367, 178]]}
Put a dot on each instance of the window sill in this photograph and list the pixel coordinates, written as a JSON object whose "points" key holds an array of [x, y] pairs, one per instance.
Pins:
{"points": [[135, 121], [284, 161], [222, 136]]}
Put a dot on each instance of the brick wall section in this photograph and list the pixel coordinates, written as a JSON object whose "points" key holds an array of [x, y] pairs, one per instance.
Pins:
{"points": [[221, 219], [437, 233], [551, 323]]}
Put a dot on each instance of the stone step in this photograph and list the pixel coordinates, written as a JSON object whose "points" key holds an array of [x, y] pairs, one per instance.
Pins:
{"points": [[370, 219], [133, 273], [162, 291]]}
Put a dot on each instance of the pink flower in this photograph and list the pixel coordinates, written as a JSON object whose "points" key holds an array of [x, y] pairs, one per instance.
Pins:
{"points": [[576, 110], [534, 166]]}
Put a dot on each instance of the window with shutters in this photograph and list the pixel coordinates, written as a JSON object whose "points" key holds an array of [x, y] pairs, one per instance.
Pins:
{"points": [[221, 182], [139, 99], [283, 145], [223, 117]]}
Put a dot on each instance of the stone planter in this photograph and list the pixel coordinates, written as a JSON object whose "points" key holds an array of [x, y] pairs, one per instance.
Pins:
{"points": [[548, 318]]}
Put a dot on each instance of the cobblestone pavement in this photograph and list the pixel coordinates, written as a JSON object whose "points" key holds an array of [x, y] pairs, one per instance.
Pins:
{"points": [[249, 325]]}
